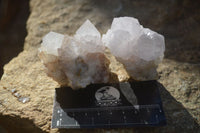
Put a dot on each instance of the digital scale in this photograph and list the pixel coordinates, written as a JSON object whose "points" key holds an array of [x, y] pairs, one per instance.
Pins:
{"points": [[127, 104]]}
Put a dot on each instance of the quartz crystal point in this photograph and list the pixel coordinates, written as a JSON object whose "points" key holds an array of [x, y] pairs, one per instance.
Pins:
{"points": [[139, 49], [49, 56], [76, 61]]}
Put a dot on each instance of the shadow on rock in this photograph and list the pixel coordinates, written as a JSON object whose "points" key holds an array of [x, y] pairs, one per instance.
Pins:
{"points": [[178, 119], [15, 124]]}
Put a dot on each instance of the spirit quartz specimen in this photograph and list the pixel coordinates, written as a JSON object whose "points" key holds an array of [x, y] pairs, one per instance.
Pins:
{"points": [[139, 49], [80, 60], [75, 61]]}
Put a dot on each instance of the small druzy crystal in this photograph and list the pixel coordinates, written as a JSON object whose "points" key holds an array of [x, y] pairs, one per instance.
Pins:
{"points": [[139, 49], [75, 61]]}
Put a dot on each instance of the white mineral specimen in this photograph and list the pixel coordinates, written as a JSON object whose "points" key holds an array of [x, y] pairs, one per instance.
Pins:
{"points": [[76, 61], [139, 49], [80, 60], [82, 57]]}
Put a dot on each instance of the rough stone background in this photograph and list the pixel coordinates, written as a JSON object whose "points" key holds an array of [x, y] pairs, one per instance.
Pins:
{"points": [[177, 20]]}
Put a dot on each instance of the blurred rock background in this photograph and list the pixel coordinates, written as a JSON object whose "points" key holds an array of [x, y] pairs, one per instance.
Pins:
{"points": [[177, 20]]}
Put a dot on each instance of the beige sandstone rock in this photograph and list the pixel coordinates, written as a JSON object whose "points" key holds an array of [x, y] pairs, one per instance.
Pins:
{"points": [[24, 75]]}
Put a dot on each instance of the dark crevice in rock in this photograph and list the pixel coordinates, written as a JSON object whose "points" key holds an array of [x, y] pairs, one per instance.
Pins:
{"points": [[13, 17]]}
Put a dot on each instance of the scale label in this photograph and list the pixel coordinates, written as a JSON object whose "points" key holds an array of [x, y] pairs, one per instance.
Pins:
{"points": [[107, 96], [108, 106]]}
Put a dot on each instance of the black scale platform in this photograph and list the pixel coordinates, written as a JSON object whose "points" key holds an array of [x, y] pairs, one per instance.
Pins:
{"points": [[109, 106]]}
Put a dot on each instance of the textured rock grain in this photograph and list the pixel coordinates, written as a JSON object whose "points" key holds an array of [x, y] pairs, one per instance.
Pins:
{"points": [[25, 74]]}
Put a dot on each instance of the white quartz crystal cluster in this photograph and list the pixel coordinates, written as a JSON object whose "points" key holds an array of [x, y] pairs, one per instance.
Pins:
{"points": [[139, 49], [80, 60], [76, 61]]}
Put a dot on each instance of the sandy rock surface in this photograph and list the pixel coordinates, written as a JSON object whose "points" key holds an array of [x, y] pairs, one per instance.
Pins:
{"points": [[24, 76]]}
